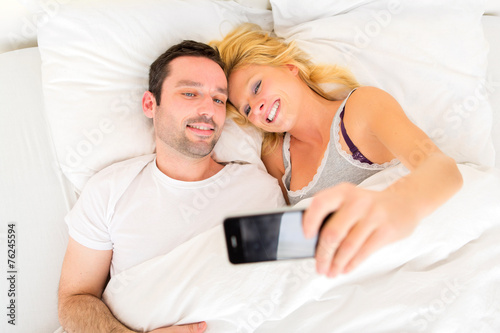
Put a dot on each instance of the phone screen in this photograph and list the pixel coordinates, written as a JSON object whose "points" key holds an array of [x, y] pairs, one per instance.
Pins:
{"points": [[265, 237]]}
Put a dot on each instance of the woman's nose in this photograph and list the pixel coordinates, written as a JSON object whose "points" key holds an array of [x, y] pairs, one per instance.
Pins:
{"points": [[258, 107]]}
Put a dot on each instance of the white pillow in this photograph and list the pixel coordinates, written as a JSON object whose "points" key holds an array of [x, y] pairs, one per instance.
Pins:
{"points": [[239, 143], [95, 62], [430, 55], [491, 26]]}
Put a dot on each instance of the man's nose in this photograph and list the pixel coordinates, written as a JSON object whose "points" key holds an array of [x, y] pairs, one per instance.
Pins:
{"points": [[207, 106]]}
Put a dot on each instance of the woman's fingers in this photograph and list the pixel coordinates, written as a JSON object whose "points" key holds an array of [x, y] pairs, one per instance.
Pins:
{"points": [[362, 222], [354, 241], [374, 242], [334, 245], [353, 208], [324, 203]]}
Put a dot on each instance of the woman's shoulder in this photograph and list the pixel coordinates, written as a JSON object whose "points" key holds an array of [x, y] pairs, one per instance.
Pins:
{"points": [[368, 101], [366, 94]]}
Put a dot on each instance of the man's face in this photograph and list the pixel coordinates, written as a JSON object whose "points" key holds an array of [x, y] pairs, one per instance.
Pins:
{"points": [[192, 111]]}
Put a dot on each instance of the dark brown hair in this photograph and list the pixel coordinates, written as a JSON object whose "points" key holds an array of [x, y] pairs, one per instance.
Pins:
{"points": [[159, 69]]}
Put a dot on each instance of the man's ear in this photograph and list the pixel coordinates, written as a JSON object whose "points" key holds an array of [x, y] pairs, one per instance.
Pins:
{"points": [[149, 104], [292, 68]]}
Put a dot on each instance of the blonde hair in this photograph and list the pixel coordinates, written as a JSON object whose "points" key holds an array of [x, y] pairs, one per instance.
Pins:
{"points": [[248, 45]]}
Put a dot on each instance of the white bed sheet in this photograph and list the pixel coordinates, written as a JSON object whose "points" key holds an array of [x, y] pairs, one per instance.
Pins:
{"points": [[440, 279], [32, 194]]}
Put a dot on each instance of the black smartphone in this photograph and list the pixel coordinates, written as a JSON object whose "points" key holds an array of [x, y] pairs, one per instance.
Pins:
{"points": [[265, 236]]}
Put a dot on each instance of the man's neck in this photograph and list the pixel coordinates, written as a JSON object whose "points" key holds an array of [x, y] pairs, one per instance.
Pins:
{"points": [[187, 169]]}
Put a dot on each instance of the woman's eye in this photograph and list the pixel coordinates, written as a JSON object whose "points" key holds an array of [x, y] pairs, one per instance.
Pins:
{"points": [[247, 110], [257, 87]]}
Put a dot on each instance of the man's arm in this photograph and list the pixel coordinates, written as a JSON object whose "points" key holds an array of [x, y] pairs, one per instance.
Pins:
{"points": [[83, 278]]}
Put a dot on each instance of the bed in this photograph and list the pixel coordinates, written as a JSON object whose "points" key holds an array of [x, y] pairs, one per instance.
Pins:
{"points": [[71, 106]]}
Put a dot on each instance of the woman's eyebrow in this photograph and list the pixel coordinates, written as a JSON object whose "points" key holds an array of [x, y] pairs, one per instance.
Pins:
{"points": [[247, 82]]}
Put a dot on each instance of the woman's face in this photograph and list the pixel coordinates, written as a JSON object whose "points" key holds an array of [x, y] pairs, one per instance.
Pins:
{"points": [[265, 95]]}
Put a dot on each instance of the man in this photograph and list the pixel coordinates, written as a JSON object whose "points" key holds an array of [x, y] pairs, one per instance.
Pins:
{"points": [[135, 210]]}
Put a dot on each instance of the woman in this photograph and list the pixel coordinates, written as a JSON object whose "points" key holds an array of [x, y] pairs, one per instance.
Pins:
{"points": [[321, 144]]}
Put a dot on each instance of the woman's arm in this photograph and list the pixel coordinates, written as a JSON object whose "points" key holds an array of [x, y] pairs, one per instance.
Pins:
{"points": [[367, 220], [428, 165]]}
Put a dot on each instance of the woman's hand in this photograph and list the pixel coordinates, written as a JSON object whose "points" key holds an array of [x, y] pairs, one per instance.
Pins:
{"points": [[363, 222]]}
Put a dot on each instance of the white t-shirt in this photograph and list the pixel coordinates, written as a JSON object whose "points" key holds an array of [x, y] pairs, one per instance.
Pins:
{"points": [[137, 211]]}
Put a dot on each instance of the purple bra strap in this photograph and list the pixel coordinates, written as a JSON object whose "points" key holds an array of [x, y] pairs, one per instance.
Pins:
{"points": [[356, 154]]}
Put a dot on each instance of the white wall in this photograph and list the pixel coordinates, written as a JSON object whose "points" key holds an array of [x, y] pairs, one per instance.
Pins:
{"points": [[493, 7], [19, 19], [17, 29]]}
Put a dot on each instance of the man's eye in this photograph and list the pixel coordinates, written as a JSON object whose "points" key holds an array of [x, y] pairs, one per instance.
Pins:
{"points": [[219, 101], [247, 110], [188, 94], [257, 87]]}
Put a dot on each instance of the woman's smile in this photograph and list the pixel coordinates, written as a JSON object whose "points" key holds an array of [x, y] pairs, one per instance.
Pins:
{"points": [[272, 114]]}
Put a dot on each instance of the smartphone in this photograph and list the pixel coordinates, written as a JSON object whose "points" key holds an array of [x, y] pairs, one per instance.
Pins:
{"points": [[266, 236]]}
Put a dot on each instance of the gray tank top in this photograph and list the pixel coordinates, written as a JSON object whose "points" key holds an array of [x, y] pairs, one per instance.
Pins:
{"points": [[336, 167]]}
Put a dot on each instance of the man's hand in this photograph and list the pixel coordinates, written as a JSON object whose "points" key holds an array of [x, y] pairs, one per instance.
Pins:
{"points": [[188, 328], [363, 222]]}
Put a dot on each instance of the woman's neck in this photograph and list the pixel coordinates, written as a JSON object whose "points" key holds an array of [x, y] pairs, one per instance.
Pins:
{"points": [[314, 121]]}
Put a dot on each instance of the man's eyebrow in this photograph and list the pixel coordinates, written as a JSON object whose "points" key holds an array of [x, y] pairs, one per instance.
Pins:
{"points": [[190, 83]]}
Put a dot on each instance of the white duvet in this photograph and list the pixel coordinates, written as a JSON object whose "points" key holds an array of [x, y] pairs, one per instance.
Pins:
{"points": [[443, 278]]}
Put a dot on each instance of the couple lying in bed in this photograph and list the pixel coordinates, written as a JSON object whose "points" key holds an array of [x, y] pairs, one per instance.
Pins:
{"points": [[317, 144]]}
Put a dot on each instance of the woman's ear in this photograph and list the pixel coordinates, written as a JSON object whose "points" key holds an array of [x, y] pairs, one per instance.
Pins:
{"points": [[292, 68], [148, 104]]}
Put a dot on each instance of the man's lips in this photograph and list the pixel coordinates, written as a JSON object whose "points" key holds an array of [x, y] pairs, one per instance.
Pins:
{"points": [[202, 129]]}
